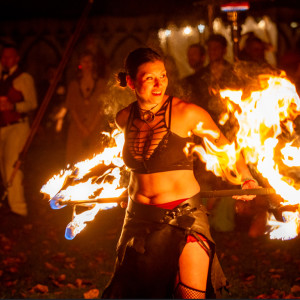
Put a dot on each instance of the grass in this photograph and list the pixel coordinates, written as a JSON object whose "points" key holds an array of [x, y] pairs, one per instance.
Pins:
{"points": [[261, 267]]}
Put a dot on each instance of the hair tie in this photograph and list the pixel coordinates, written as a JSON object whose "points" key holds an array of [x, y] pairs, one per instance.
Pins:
{"points": [[122, 79]]}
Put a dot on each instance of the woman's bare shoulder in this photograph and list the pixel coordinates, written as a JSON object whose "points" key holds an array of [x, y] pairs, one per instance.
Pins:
{"points": [[185, 107], [191, 113]]}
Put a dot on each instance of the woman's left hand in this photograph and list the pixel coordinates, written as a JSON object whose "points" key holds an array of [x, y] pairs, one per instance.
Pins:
{"points": [[248, 184]]}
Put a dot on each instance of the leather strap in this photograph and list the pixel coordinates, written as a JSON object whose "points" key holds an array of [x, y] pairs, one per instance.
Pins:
{"points": [[161, 215]]}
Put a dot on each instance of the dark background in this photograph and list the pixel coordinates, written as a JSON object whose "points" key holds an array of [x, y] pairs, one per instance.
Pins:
{"points": [[288, 10], [42, 28]]}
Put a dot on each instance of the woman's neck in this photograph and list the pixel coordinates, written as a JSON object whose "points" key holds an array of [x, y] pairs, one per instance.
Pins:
{"points": [[154, 107]]}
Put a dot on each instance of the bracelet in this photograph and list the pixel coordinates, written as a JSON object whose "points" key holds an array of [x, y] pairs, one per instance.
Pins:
{"points": [[247, 180]]}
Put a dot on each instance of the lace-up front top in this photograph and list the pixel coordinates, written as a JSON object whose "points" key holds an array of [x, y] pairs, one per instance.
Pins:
{"points": [[151, 147]]}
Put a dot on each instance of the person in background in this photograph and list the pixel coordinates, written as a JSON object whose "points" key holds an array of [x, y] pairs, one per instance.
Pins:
{"points": [[47, 128], [17, 100], [165, 249], [196, 55], [174, 86], [85, 107], [254, 50], [217, 74]]}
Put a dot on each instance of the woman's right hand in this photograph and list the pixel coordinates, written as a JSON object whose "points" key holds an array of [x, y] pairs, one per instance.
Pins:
{"points": [[250, 183]]}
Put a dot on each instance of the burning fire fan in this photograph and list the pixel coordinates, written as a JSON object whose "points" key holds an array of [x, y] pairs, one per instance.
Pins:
{"points": [[94, 179]]}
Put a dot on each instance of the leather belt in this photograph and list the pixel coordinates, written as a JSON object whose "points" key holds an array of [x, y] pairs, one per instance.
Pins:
{"points": [[161, 215]]}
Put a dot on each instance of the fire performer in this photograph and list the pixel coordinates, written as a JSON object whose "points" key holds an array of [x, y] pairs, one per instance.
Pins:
{"points": [[165, 249]]}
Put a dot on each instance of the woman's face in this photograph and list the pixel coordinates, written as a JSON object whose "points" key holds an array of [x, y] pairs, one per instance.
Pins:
{"points": [[151, 82], [86, 63]]}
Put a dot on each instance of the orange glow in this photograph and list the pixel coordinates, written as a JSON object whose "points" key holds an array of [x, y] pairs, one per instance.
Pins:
{"points": [[264, 117], [80, 183]]}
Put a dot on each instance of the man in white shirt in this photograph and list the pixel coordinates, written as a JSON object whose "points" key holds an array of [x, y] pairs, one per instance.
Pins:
{"points": [[17, 99]]}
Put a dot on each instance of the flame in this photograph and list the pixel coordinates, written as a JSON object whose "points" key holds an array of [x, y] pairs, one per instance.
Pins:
{"points": [[265, 117], [287, 230], [83, 181], [291, 155], [220, 160]]}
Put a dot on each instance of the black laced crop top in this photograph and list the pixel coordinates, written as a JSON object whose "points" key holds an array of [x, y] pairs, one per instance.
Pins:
{"points": [[151, 147]]}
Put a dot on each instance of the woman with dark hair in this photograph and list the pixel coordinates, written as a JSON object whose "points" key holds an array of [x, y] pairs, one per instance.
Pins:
{"points": [[165, 249], [84, 103]]}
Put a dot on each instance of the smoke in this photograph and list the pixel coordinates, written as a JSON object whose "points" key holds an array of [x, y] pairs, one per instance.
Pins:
{"points": [[115, 98], [249, 74]]}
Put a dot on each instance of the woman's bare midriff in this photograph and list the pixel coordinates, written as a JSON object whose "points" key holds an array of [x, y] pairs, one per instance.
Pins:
{"points": [[163, 187]]}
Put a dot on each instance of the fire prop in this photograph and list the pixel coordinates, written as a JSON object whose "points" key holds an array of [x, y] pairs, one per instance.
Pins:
{"points": [[92, 179], [267, 139]]}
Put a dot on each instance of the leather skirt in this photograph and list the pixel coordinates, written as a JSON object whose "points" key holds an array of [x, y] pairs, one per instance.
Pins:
{"points": [[149, 248]]}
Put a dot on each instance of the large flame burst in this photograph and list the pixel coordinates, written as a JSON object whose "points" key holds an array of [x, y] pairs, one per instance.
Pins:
{"points": [[95, 178], [267, 139]]}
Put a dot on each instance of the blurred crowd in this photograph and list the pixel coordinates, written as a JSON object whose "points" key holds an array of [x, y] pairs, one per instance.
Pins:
{"points": [[77, 113]]}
